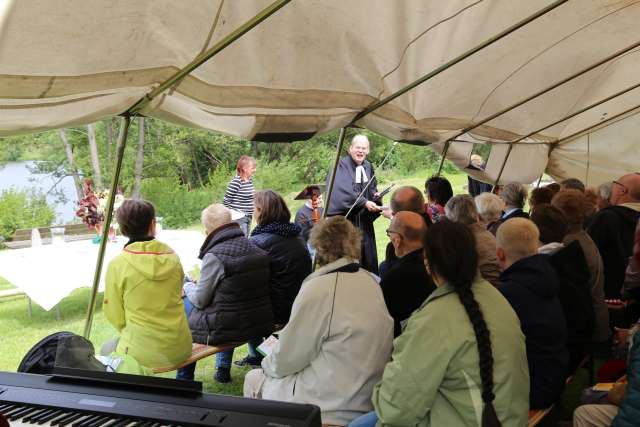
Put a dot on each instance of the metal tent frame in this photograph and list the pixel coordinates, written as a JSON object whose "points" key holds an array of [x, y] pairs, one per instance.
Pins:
{"points": [[175, 79]]}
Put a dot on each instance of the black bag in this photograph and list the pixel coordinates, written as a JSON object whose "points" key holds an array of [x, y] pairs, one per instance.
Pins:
{"points": [[62, 349]]}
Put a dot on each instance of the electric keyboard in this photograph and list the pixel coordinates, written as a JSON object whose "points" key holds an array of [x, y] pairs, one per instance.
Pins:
{"points": [[48, 400]]}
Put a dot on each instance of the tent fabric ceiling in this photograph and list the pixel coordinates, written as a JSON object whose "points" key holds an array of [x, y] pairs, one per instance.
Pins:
{"points": [[312, 66]]}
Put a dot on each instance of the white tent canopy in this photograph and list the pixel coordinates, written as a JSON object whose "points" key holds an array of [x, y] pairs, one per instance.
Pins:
{"points": [[314, 65]]}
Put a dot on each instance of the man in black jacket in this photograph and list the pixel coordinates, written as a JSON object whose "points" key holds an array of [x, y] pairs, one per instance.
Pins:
{"points": [[410, 199], [231, 302], [574, 277], [530, 285], [355, 175], [612, 229], [514, 196], [406, 284]]}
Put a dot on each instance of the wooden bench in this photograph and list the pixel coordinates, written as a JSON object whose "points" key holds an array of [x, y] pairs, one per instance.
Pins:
{"points": [[72, 232], [537, 415], [201, 351], [198, 351]]}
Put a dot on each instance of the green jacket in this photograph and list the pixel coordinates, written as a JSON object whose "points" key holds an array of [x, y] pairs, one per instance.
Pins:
{"points": [[142, 301], [434, 379]]}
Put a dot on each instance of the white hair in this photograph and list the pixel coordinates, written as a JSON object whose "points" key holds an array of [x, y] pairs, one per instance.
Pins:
{"points": [[604, 190], [359, 137], [214, 216], [489, 206]]}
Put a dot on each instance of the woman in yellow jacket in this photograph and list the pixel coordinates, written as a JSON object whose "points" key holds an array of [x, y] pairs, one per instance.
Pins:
{"points": [[142, 297]]}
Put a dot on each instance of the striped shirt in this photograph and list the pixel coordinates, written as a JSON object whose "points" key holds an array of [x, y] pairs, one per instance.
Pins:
{"points": [[239, 195]]}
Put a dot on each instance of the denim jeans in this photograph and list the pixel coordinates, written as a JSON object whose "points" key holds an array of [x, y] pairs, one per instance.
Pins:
{"points": [[223, 359], [367, 420], [188, 372]]}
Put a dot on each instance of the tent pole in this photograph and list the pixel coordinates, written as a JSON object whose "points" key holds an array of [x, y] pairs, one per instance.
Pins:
{"points": [[444, 156], [137, 107], [457, 59], [343, 132], [208, 54], [504, 163], [105, 226], [546, 90], [562, 141]]}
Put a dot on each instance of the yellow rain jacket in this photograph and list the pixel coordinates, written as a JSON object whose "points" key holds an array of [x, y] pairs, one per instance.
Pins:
{"points": [[142, 301]]}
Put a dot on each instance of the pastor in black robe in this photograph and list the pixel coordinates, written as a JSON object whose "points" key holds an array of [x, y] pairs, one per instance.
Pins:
{"points": [[344, 194]]}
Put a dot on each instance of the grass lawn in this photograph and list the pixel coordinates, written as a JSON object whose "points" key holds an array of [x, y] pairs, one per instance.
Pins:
{"points": [[20, 333]]}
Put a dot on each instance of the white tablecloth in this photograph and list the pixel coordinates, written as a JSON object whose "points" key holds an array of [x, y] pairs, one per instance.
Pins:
{"points": [[49, 273]]}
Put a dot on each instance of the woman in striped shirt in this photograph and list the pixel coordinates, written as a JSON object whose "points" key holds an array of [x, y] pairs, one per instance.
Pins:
{"points": [[239, 194]]}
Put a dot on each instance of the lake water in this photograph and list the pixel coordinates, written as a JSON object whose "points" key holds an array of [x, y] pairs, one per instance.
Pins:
{"points": [[18, 176]]}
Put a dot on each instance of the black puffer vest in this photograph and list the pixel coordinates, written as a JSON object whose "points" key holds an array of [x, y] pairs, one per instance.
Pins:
{"points": [[290, 265], [241, 306]]}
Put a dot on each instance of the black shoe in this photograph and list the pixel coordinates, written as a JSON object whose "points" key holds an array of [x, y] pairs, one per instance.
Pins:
{"points": [[254, 362], [223, 375]]}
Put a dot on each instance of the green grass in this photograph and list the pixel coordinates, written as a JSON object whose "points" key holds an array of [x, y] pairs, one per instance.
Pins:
{"points": [[19, 333]]}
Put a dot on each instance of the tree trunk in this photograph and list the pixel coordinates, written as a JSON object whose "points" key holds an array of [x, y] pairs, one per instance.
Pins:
{"points": [[72, 164], [137, 183], [95, 159], [109, 132]]}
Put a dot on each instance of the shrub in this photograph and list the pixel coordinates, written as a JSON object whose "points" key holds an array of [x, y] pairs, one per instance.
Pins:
{"points": [[23, 209], [174, 202]]}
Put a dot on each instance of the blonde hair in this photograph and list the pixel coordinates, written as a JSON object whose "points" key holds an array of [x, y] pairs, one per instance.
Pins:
{"points": [[334, 238], [519, 238], [214, 216]]}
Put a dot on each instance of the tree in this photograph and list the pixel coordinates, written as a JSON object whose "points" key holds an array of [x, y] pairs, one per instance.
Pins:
{"points": [[72, 164], [137, 181], [95, 159]]}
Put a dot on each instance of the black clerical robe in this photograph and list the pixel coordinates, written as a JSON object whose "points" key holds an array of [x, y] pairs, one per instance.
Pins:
{"points": [[344, 194]]}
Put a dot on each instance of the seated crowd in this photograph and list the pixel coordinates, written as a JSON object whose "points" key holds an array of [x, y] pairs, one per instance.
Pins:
{"points": [[481, 312]]}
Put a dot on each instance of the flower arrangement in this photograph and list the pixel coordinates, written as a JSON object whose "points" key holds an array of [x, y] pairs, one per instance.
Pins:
{"points": [[91, 208]]}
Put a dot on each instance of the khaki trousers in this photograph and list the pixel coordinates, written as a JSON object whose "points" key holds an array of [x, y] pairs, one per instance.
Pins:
{"points": [[253, 382], [594, 415]]}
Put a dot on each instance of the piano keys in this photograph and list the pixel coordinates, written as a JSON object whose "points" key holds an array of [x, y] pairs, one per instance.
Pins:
{"points": [[32, 400]]}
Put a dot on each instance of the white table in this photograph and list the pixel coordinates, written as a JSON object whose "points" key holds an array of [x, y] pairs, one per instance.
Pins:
{"points": [[49, 273]]}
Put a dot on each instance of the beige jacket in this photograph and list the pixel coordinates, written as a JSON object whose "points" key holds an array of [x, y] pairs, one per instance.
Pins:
{"points": [[335, 346], [486, 248]]}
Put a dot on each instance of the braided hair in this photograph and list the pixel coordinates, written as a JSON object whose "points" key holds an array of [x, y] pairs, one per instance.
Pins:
{"points": [[449, 249]]}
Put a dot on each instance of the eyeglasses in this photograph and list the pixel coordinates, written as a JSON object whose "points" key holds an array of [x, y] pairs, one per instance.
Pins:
{"points": [[621, 185]]}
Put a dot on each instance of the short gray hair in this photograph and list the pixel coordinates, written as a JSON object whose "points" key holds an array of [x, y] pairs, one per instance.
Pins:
{"points": [[604, 190], [514, 194], [214, 216], [489, 206], [461, 209]]}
